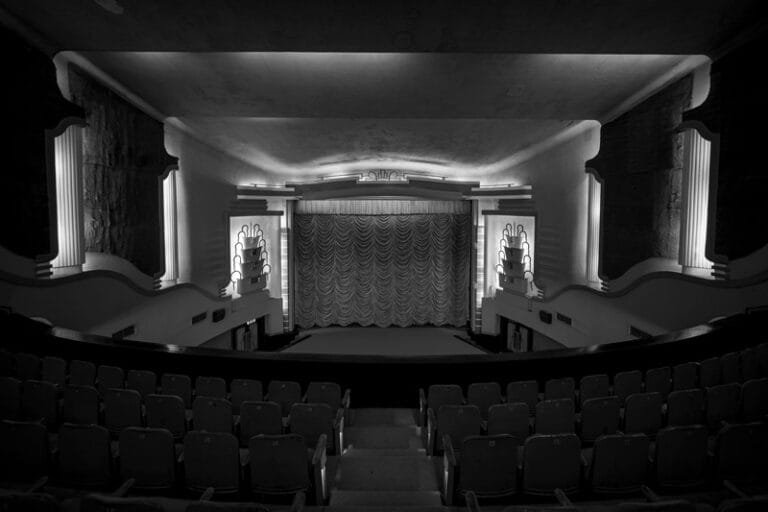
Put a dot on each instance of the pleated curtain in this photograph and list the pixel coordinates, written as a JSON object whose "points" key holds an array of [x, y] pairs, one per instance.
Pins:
{"points": [[383, 270]]}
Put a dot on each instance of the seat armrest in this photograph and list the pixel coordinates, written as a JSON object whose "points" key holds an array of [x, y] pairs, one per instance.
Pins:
{"points": [[319, 460], [319, 457], [735, 490], [449, 471], [562, 498], [422, 406], [431, 428], [245, 459], [472, 504], [180, 460], [484, 426], [303, 399], [299, 499], [207, 494], [346, 399], [338, 430], [123, 489], [38, 485], [649, 494]]}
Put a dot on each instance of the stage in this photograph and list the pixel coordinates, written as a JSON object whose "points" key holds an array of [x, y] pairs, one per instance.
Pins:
{"points": [[383, 341]]}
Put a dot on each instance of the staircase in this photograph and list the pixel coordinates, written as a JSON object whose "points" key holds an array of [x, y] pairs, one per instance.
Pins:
{"points": [[384, 466]]}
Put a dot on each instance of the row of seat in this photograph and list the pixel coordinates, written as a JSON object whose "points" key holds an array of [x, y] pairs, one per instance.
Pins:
{"points": [[680, 459], [86, 457], [641, 413], [25, 366], [733, 367]]}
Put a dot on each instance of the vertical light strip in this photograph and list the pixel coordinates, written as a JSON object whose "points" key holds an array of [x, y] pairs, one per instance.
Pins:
{"points": [[68, 162], [693, 232], [593, 229], [480, 271], [284, 265], [170, 228]]}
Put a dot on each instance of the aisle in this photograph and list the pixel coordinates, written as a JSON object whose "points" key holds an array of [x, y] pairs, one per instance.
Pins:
{"points": [[385, 466]]}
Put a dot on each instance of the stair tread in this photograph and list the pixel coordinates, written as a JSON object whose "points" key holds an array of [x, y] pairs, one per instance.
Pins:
{"points": [[394, 473], [386, 500]]}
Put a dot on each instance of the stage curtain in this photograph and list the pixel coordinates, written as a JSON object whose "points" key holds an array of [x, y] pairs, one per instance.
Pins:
{"points": [[382, 270]]}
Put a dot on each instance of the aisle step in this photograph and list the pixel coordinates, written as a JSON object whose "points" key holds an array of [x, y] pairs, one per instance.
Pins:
{"points": [[394, 473], [383, 417], [387, 500], [384, 438]]}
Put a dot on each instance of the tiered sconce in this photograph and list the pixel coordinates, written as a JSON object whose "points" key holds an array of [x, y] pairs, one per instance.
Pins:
{"points": [[515, 265], [251, 260]]}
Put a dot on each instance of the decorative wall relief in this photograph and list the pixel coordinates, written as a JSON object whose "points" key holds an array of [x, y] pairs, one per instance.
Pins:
{"points": [[124, 160], [34, 111], [250, 263], [515, 267]]}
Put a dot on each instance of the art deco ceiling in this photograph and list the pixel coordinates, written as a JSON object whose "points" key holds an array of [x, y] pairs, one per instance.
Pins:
{"points": [[295, 88]]}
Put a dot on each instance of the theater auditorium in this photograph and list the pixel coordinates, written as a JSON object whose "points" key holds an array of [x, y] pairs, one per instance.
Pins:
{"points": [[394, 256]]}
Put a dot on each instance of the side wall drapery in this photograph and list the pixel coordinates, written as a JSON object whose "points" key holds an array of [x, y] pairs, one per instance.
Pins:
{"points": [[410, 269]]}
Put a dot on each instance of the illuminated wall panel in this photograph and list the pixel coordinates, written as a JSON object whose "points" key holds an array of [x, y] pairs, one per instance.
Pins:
{"points": [[68, 161], [593, 229], [170, 228], [693, 236]]}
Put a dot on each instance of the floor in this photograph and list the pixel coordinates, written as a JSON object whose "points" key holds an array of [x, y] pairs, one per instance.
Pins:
{"points": [[384, 341]]}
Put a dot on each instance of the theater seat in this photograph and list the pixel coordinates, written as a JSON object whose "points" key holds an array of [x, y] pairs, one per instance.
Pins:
{"points": [[244, 390], [556, 416], [39, 401], [24, 451], [754, 399], [438, 395], [215, 387], [284, 393], [311, 421], [27, 366], [259, 418], [148, 456], [723, 404], [212, 414], [709, 372], [560, 388], [740, 452], [599, 416], [10, 398], [82, 373], [659, 380], [80, 404], [456, 421], [122, 408], [627, 383], [593, 386], [211, 459], [484, 395], [729, 368], [54, 370], [642, 414], [526, 391], [685, 407], [486, 465], [109, 377], [619, 463], [749, 365], [552, 462], [685, 376], [681, 457], [85, 458], [168, 412], [179, 385], [509, 419], [143, 381]]}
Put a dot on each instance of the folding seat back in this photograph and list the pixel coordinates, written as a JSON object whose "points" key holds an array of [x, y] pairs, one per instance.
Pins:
{"points": [[143, 381], [122, 408], [723, 403], [642, 413], [439, 395], [82, 373], [310, 421], [685, 407], [211, 459], [749, 504], [109, 377], [212, 414], [685, 376], [84, 455], [7, 364], [526, 391], [671, 505], [27, 366], [599, 416], [108, 503], [179, 385], [560, 388], [259, 418], [324, 393], [709, 372], [245, 390], [619, 463], [484, 395], [627, 383], [659, 380], [489, 465], [459, 422], [551, 462], [168, 412], [593, 386], [148, 456], [285, 393], [729, 368], [754, 399], [215, 387], [762, 358], [80, 404], [681, 456], [10, 398], [740, 452], [23, 451], [750, 368], [54, 370], [278, 464], [39, 401], [22, 501], [222, 506], [509, 419], [556, 416]]}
